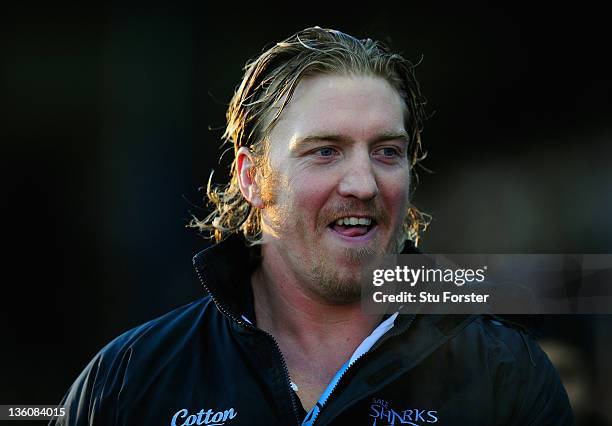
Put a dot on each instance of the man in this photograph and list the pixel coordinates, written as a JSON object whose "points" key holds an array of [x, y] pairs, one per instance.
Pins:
{"points": [[326, 134]]}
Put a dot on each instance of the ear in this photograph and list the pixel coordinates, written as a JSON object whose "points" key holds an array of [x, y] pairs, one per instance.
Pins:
{"points": [[245, 163]]}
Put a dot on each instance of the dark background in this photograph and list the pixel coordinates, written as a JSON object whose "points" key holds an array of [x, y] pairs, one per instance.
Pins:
{"points": [[106, 137]]}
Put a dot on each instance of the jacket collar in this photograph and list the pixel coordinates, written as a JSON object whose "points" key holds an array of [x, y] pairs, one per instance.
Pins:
{"points": [[225, 272]]}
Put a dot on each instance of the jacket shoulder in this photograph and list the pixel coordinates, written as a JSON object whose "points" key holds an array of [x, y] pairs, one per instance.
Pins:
{"points": [[154, 332], [90, 399], [527, 386]]}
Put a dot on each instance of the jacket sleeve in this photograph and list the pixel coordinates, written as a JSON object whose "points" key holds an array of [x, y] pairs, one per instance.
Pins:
{"points": [[92, 398], [528, 390], [79, 402], [544, 400]]}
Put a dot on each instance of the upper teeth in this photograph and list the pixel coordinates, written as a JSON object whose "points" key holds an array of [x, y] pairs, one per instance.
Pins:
{"points": [[354, 221]]}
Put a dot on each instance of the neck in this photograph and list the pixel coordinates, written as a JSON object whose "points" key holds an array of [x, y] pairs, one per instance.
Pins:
{"points": [[286, 309]]}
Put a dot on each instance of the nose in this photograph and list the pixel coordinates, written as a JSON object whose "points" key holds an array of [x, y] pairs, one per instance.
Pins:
{"points": [[358, 179]]}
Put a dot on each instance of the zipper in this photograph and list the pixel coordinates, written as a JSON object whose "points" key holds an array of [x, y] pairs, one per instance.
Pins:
{"points": [[355, 362], [245, 324]]}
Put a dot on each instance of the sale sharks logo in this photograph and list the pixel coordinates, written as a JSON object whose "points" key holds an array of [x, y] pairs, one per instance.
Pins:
{"points": [[383, 414]]}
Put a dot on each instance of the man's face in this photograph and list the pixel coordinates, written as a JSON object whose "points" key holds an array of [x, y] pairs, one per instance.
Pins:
{"points": [[336, 187]]}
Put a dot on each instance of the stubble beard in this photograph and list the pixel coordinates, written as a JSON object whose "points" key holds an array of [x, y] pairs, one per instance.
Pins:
{"points": [[331, 281], [341, 285]]}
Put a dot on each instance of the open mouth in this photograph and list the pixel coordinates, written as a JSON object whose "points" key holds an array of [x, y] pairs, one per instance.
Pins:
{"points": [[353, 226]]}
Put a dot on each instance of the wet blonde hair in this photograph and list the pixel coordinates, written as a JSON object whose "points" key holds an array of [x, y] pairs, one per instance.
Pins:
{"points": [[265, 90]]}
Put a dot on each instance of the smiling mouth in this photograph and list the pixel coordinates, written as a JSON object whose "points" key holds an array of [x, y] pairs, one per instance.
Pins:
{"points": [[353, 226]]}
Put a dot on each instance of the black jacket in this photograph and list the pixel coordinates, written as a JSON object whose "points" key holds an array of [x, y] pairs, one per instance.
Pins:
{"points": [[203, 364]]}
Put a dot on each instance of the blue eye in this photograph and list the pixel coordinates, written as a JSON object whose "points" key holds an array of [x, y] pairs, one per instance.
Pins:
{"points": [[326, 152], [390, 152]]}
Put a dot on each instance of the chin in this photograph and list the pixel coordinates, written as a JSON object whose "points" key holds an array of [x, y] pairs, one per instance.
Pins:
{"points": [[341, 292], [336, 281]]}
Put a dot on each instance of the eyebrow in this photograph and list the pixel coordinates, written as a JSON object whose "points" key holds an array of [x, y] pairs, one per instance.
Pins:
{"points": [[382, 137]]}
